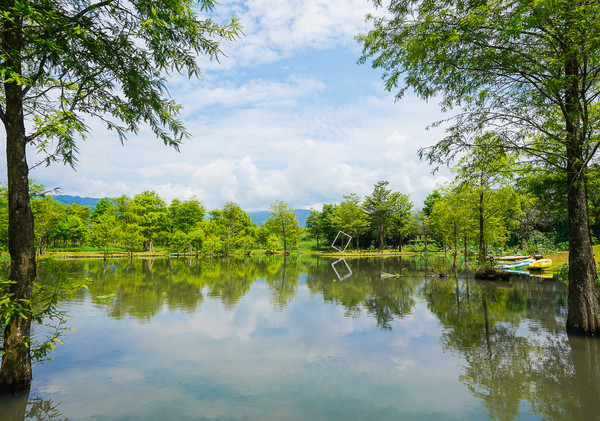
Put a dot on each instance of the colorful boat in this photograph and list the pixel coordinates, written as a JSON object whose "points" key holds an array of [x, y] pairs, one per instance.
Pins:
{"points": [[511, 258], [540, 264], [515, 265]]}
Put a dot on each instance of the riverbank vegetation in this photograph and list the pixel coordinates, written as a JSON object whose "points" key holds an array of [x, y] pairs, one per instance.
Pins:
{"points": [[462, 220]]}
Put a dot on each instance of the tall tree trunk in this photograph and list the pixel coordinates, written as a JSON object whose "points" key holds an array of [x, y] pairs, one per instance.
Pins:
{"points": [[15, 372], [228, 239], [481, 256], [583, 310], [466, 256], [455, 246], [380, 229]]}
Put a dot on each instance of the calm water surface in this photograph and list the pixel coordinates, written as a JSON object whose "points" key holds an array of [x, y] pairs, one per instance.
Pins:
{"points": [[309, 339]]}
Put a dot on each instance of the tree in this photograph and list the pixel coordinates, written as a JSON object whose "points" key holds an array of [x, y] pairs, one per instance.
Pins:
{"points": [[419, 226], [184, 216], [430, 202], [64, 60], [486, 174], [350, 217], [451, 218], [529, 72], [400, 219], [381, 205], [239, 227], [314, 225], [151, 212], [102, 206], [47, 213], [104, 228], [283, 221], [329, 233]]}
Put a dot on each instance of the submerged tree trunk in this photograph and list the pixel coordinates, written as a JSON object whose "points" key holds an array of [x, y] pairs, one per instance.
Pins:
{"points": [[15, 372]]}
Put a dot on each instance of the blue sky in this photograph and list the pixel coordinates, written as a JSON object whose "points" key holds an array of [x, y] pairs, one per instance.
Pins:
{"points": [[287, 115]]}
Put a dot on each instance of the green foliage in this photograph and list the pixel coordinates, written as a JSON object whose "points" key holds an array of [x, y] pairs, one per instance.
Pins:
{"points": [[73, 63], [562, 274], [43, 309], [284, 224], [151, 216], [382, 205], [350, 217], [430, 201], [185, 216]]}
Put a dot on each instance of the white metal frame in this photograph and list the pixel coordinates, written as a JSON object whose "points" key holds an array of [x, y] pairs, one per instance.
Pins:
{"points": [[336, 238]]}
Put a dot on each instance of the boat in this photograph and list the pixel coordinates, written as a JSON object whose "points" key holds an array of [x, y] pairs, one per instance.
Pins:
{"points": [[511, 258], [540, 264], [515, 265]]}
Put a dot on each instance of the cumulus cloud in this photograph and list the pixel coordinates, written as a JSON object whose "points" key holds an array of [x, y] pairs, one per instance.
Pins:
{"points": [[259, 133], [274, 31]]}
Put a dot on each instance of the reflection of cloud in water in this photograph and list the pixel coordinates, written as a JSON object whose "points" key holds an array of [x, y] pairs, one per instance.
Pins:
{"points": [[211, 359]]}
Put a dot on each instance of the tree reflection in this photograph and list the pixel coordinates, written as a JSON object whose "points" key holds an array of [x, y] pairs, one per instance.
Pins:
{"points": [[140, 288], [516, 354], [42, 409], [18, 406], [383, 298], [282, 279], [13, 405]]}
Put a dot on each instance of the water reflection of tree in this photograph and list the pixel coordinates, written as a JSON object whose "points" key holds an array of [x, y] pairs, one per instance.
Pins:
{"points": [[382, 298], [17, 406], [282, 277], [42, 409], [505, 366], [140, 288]]}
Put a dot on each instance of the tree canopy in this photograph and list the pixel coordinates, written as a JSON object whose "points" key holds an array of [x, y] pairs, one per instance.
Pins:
{"points": [[527, 71]]}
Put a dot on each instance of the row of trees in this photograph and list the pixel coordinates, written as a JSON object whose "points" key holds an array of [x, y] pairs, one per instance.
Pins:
{"points": [[481, 208], [141, 222]]}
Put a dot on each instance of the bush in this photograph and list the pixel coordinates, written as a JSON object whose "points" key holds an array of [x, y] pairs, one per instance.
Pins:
{"points": [[562, 274], [540, 241]]}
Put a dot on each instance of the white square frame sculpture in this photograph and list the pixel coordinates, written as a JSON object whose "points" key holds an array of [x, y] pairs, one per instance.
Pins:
{"points": [[347, 242]]}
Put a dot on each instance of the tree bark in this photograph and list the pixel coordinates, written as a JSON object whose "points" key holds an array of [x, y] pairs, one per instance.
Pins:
{"points": [[583, 310], [380, 231], [15, 372], [481, 256]]}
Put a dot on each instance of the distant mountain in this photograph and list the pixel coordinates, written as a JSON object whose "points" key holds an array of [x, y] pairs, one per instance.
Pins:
{"points": [[258, 217], [83, 201]]}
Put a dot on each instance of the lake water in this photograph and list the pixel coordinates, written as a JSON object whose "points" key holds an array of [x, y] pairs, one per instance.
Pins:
{"points": [[309, 338]]}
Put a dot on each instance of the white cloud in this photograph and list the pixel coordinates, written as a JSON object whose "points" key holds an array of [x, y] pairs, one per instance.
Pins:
{"points": [[257, 93], [254, 156], [277, 30], [260, 133]]}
